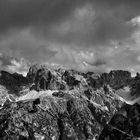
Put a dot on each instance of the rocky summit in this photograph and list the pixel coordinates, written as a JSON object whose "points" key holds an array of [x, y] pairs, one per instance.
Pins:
{"points": [[64, 104]]}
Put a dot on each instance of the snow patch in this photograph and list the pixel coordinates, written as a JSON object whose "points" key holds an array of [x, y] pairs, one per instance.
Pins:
{"points": [[32, 95]]}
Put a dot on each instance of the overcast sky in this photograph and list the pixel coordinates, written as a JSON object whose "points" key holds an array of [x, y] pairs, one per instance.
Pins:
{"points": [[93, 35]]}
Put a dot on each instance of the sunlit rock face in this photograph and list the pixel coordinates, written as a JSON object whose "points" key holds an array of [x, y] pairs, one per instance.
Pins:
{"points": [[60, 115], [63, 104], [45, 78]]}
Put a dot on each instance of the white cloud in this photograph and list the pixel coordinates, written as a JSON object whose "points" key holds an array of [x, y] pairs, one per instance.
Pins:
{"points": [[20, 66]]}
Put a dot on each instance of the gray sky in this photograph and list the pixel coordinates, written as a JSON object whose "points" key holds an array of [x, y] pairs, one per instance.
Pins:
{"points": [[95, 35]]}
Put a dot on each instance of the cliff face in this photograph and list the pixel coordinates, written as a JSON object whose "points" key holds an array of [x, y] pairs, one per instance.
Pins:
{"points": [[60, 104], [44, 78]]}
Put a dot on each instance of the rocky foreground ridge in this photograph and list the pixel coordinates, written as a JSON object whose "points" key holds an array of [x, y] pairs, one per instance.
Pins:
{"points": [[62, 104]]}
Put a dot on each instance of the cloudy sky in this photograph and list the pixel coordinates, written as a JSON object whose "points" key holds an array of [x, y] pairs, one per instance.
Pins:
{"points": [[87, 35]]}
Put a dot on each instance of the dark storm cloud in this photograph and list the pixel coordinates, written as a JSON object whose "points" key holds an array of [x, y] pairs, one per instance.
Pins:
{"points": [[123, 8], [109, 23], [5, 60], [22, 13], [67, 24], [100, 33], [23, 45]]}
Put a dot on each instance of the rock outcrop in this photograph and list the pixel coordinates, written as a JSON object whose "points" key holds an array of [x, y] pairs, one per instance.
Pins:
{"points": [[62, 104], [13, 82], [116, 79], [60, 116], [125, 124]]}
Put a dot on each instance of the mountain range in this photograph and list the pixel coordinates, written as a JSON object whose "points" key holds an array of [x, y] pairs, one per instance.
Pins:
{"points": [[65, 104]]}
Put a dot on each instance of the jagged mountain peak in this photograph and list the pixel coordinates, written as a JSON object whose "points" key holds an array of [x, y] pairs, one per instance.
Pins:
{"points": [[60, 104]]}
